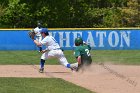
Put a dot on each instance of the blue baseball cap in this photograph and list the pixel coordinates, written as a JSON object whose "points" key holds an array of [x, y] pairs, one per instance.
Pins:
{"points": [[44, 30]]}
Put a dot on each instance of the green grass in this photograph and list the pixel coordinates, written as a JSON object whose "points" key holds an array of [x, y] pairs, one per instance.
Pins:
{"points": [[39, 85], [19, 57], [129, 57], [54, 85]]}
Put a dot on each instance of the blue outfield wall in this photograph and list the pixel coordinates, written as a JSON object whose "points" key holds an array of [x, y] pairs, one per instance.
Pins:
{"points": [[99, 39], [15, 40]]}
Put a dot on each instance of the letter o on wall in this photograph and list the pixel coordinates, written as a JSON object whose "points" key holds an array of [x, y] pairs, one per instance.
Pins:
{"points": [[116, 39]]}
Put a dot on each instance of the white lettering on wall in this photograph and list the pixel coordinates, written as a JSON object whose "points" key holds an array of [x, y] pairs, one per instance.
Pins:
{"points": [[90, 40], [101, 36], [62, 39], [54, 34], [125, 36], [101, 39], [116, 39]]}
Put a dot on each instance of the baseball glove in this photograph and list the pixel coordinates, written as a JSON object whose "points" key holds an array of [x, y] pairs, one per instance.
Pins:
{"points": [[31, 34]]}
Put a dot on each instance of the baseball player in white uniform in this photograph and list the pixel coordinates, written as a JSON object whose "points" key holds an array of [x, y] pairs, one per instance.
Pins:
{"points": [[38, 34], [52, 50]]}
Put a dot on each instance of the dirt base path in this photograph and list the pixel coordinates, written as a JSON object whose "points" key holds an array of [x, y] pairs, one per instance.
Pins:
{"points": [[99, 78]]}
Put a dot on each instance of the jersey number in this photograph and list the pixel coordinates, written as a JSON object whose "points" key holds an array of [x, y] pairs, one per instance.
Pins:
{"points": [[88, 53]]}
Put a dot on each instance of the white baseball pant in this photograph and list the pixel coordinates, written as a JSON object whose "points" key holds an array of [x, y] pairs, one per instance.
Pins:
{"points": [[57, 54]]}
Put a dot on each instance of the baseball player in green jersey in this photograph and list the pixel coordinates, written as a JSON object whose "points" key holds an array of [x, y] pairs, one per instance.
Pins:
{"points": [[82, 53]]}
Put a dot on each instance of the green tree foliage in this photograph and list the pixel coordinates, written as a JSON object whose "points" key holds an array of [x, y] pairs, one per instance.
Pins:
{"points": [[16, 14], [70, 13], [1, 9], [131, 13]]}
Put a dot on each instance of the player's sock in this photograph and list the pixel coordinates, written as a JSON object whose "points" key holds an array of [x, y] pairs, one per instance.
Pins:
{"points": [[42, 63], [40, 48], [68, 66]]}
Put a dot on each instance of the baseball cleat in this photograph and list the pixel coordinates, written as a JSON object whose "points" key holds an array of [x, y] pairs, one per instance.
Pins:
{"points": [[41, 70], [75, 69]]}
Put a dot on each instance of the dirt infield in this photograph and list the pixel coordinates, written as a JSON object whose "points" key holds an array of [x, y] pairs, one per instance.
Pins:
{"points": [[101, 78]]}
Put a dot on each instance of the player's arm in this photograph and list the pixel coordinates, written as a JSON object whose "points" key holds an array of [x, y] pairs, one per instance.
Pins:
{"points": [[37, 43], [89, 47], [78, 56], [79, 60], [43, 42], [40, 44]]}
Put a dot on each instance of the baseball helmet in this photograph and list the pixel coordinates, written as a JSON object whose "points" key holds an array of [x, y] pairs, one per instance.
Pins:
{"points": [[44, 30], [78, 41]]}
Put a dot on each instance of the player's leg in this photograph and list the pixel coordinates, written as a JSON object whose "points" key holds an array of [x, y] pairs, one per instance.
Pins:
{"points": [[42, 62], [45, 56], [63, 60], [59, 54]]}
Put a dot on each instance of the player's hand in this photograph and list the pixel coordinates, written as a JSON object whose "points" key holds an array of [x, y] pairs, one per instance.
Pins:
{"points": [[43, 51], [31, 34]]}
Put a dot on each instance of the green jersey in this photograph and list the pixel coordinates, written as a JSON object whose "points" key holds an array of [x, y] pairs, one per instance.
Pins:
{"points": [[84, 52]]}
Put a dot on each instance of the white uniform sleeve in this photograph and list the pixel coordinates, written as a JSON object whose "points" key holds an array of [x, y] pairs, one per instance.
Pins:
{"points": [[43, 42]]}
